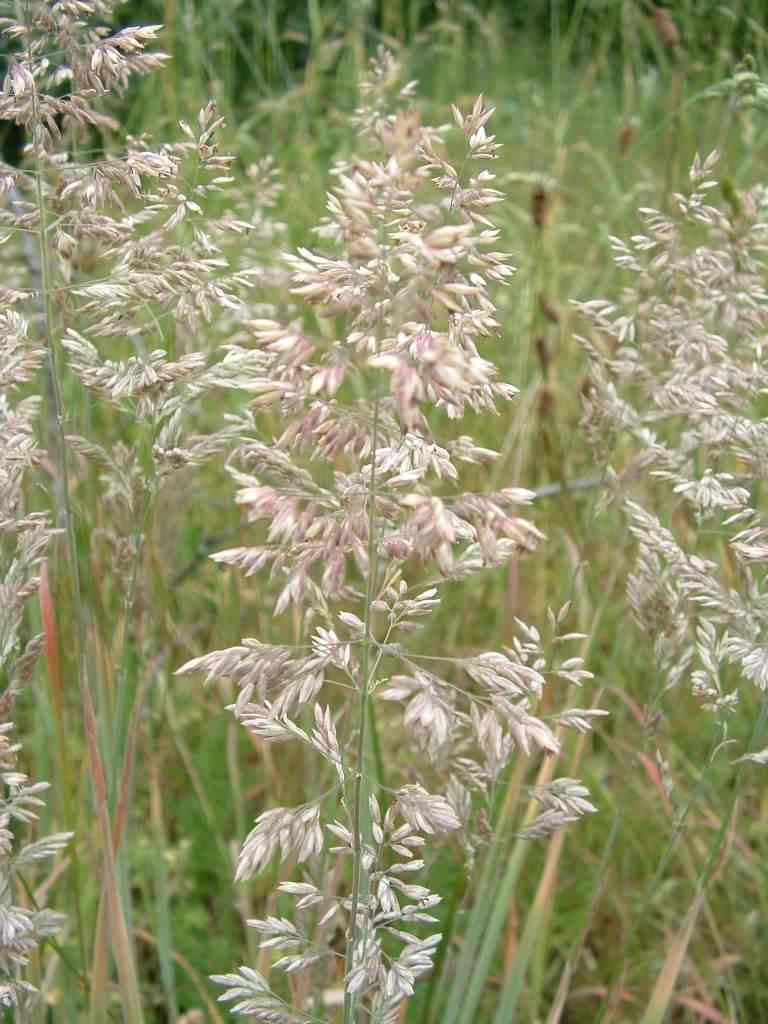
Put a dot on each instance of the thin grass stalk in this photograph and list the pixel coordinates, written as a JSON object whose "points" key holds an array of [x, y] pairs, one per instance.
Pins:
{"points": [[64, 511], [361, 817]]}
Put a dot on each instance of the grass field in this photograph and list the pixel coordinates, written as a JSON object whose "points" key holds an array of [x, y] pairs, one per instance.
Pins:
{"points": [[652, 908]]}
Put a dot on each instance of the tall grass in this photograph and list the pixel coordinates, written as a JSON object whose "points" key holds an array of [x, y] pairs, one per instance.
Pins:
{"points": [[158, 301]]}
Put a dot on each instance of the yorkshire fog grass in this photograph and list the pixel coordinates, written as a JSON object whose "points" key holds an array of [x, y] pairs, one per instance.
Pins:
{"points": [[382, 455]]}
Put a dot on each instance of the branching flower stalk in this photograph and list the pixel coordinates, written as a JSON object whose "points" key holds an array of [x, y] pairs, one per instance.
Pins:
{"points": [[358, 498], [24, 539], [55, 28], [129, 254], [678, 378]]}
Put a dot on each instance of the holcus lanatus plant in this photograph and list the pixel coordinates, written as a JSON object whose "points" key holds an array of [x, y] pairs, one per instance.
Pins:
{"points": [[677, 381], [365, 523], [24, 540], [119, 261]]}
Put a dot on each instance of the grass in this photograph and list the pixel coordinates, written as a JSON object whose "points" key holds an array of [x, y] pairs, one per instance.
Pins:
{"points": [[651, 909]]}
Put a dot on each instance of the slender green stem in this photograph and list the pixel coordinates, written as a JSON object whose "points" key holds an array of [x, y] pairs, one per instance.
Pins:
{"points": [[360, 813], [61, 486]]}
